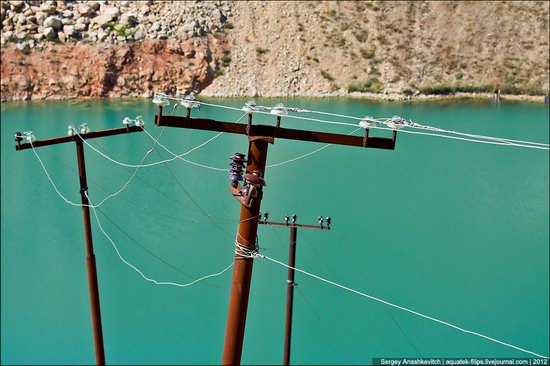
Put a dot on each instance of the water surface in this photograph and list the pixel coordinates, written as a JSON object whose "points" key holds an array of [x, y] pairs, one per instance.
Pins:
{"points": [[453, 229]]}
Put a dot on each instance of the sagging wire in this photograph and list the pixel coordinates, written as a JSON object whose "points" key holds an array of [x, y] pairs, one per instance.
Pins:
{"points": [[254, 253], [139, 271], [150, 252], [124, 186]]}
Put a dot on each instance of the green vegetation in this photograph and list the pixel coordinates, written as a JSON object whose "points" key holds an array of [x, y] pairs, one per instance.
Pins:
{"points": [[226, 60], [326, 75], [218, 72], [261, 51], [458, 75], [227, 25], [372, 85], [447, 89], [367, 54], [26, 50], [382, 39], [361, 35], [374, 71]]}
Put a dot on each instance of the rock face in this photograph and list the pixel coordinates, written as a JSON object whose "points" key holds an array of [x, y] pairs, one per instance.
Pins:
{"points": [[153, 20], [278, 48], [138, 69]]}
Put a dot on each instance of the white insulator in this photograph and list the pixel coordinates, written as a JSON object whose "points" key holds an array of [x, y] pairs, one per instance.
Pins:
{"points": [[161, 100], [84, 128], [71, 130], [189, 102], [249, 107], [279, 110], [126, 121], [30, 136], [367, 124], [139, 121], [395, 123]]}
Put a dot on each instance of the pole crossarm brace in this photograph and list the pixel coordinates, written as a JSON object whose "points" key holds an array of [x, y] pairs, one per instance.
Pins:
{"points": [[85, 136], [276, 132]]}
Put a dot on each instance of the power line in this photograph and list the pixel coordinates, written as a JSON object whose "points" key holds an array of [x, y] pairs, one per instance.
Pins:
{"points": [[403, 332], [400, 307], [153, 254], [93, 207], [386, 121]]}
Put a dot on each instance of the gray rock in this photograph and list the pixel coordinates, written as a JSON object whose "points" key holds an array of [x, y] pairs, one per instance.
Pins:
{"points": [[28, 12], [62, 36], [47, 8], [139, 35], [17, 4], [128, 20], [67, 21], [83, 20], [69, 30], [49, 33], [39, 36], [101, 35], [81, 27], [85, 10], [53, 22], [94, 5], [68, 14], [121, 38], [21, 35], [155, 27], [112, 11], [40, 17], [21, 19], [102, 20], [144, 10]]}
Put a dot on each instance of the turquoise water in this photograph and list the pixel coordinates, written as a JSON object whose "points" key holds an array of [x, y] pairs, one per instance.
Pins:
{"points": [[456, 230]]}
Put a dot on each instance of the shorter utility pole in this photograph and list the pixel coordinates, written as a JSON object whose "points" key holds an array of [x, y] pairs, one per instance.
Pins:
{"points": [[90, 256], [293, 226], [258, 136]]}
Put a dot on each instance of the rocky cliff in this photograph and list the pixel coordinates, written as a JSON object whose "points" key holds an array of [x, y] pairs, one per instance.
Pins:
{"points": [[59, 49]]}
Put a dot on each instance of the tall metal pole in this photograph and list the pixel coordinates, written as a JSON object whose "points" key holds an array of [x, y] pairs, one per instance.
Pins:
{"points": [[290, 293], [242, 269], [90, 259]]}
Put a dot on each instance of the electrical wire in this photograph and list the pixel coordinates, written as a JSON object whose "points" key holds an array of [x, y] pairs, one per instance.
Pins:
{"points": [[308, 154], [404, 334], [399, 307], [174, 156], [140, 272], [148, 251], [503, 141]]}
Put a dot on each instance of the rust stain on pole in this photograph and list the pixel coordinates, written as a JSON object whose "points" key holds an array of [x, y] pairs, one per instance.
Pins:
{"points": [[90, 260], [290, 293], [242, 270]]}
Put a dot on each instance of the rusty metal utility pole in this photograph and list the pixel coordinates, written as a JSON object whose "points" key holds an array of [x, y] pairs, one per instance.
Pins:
{"points": [[292, 264], [90, 256], [258, 137]]}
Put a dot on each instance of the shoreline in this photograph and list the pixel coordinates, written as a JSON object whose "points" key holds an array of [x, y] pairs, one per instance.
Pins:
{"points": [[390, 97]]}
